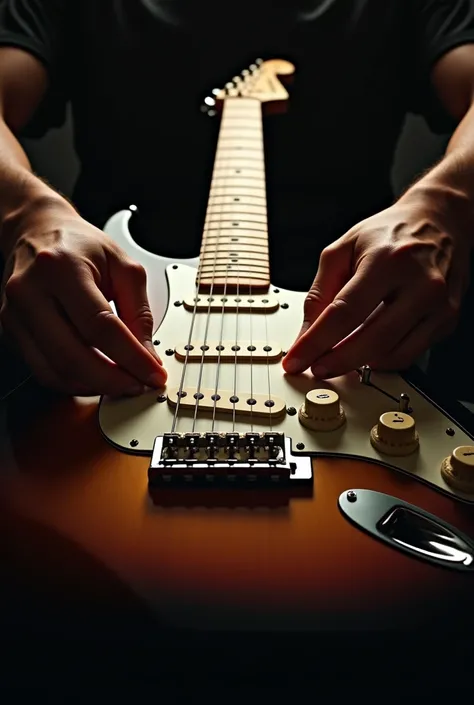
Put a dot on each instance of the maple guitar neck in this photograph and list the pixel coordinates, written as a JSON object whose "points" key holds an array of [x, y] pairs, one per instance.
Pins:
{"points": [[234, 251]]}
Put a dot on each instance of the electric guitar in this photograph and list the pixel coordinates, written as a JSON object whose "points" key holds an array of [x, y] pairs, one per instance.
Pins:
{"points": [[237, 497]]}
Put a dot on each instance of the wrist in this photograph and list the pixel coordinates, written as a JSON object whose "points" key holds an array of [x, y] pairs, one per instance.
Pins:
{"points": [[37, 202], [447, 203]]}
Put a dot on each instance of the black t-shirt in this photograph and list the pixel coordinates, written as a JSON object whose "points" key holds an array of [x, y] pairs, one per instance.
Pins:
{"points": [[136, 72]]}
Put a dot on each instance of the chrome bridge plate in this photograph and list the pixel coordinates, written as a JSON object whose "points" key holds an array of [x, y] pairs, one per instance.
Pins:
{"points": [[215, 459]]}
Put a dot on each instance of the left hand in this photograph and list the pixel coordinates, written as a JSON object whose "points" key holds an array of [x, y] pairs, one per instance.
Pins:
{"points": [[384, 293]]}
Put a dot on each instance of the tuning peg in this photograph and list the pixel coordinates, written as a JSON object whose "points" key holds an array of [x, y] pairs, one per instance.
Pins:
{"points": [[236, 80], [245, 73], [253, 68], [259, 62], [216, 91]]}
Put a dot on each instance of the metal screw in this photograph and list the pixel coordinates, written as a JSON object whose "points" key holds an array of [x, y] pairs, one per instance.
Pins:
{"points": [[351, 496], [291, 411], [300, 446], [170, 352], [161, 398], [134, 443], [450, 431], [178, 303], [175, 266], [276, 291], [285, 306], [156, 342]]}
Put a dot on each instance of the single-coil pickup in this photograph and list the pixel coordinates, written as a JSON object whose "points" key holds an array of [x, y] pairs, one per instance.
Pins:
{"points": [[231, 303], [244, 404], [228, 351]]}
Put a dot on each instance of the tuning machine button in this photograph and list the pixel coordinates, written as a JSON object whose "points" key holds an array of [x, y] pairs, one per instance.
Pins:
{"points": [[322, 411], [458, 469], [395, 434]]}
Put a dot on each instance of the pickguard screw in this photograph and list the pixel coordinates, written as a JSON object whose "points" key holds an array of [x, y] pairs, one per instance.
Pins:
{"points": [[156, 342], [450, 431], [178, 303], [351, 496], [291, 411], [134, 443], [276, 291], [284, 352], [175, 266], [285, 306], [169, 352], [161, 398], [300, 446]]}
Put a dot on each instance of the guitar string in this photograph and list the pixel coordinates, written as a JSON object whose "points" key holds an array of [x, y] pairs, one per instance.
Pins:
{"points": [[221, 335], [193, 320], [198, 393]]}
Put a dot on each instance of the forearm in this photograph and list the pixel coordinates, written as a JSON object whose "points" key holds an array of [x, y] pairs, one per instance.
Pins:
{"points": [[20, 190], [447, 190]]}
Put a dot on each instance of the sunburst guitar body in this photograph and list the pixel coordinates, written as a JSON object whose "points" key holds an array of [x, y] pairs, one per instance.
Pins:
{"points": [[238, 497]]}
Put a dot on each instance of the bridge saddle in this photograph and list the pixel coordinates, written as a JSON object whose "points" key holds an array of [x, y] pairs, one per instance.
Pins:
{"points": [[229, 458]]}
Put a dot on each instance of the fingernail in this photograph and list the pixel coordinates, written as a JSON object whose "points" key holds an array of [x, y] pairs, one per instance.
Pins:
{"points": [[292, 366], [156, 380], [320, 371]]}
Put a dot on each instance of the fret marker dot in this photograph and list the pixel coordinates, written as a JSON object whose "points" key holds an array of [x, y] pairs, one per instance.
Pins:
{"points": [[236, 199], [235, 225], [238, 171], [234, 261], [234, 239]]}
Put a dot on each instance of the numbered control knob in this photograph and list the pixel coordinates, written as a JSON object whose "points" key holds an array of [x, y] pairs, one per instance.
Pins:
{"points": [[395, 434], [322, 411], [458, 469]]}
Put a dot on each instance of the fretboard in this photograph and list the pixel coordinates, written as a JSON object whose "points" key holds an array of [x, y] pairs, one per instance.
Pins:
{"points": [[234, 251]]}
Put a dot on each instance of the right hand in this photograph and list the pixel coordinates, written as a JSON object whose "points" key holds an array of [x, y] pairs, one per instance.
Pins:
{"points": [[60, 274]]}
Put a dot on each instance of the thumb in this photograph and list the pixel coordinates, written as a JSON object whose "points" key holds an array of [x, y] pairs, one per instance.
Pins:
{"points": [[334, 271], [128, 280]]}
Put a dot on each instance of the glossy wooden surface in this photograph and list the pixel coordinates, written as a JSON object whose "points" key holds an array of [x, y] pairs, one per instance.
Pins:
{"points": [[217, 558]]}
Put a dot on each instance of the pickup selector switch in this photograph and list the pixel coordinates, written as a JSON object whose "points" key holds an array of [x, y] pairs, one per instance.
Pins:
{"points": [[458, 469], [322, 411], [395, 434]]}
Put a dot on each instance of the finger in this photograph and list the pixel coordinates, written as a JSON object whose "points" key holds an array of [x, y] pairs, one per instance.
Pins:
{"points": [[352, 305], [92, 316], [36, 362], [72, 361], [378, 335], [334, 271], [130, 296]]}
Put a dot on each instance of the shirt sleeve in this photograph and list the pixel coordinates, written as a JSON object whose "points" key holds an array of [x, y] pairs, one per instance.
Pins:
{"points": [[41, 27], [438, 27]]}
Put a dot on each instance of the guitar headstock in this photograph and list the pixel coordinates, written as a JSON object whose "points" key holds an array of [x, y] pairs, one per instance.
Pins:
{"points": [[262, 80]]}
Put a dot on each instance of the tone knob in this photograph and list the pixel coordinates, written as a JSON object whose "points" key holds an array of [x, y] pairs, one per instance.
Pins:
{"points": [[458, 469], [395, 434], [322, 411]]}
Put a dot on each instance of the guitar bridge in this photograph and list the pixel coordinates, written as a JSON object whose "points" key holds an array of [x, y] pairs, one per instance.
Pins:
{"points": [[225, 458]]}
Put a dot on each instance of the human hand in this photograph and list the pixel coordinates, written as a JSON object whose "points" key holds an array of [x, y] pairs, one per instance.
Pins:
{"points": [[383, 294], [60, 274]]}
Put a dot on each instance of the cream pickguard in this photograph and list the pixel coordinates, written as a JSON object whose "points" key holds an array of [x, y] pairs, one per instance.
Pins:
{"points": [[142, 419]]}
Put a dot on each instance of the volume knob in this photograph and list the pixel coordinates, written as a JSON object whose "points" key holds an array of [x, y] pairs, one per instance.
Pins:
{"points": [[458, 469], [322, 411], [395, 434]]}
